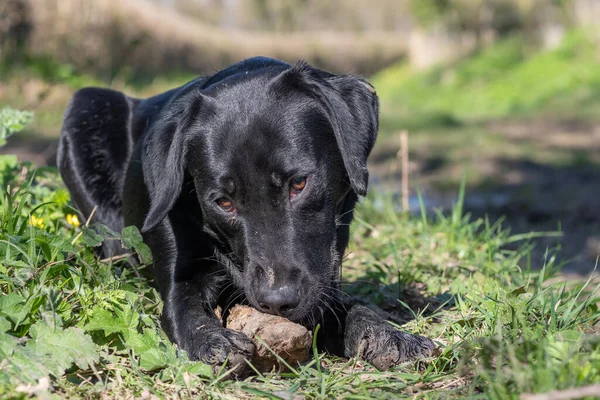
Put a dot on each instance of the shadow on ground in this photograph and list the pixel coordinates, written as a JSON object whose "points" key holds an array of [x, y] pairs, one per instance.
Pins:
{"points": [[396, 303]]}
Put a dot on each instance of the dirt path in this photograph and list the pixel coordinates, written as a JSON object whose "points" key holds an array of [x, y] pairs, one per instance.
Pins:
{"points": [[551, 183]]}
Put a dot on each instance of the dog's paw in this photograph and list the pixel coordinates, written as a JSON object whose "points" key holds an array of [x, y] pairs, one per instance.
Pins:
{"points": [[372, 339], [215, 346], [384, 347]]}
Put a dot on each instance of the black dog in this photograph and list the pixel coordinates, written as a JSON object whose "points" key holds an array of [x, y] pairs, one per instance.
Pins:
{"points": [[243, 185]]}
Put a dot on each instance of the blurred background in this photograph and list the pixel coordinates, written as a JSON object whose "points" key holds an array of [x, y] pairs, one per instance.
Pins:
{"points": [[503, 92]]}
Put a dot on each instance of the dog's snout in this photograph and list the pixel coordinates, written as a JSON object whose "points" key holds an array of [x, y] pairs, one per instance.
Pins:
{"points": [[280, 301]]}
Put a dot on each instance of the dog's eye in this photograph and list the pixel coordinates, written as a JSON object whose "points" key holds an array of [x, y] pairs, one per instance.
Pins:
{"points": [[226, 205], [297, 184]]}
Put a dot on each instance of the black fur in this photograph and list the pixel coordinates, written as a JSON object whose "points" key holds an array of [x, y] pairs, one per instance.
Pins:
{"points": [[170, 165]]}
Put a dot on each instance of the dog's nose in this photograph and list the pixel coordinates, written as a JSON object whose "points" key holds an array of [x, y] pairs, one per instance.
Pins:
{"points": [[280, 301]]}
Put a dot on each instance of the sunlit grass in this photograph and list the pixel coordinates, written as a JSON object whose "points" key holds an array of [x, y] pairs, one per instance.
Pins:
{"points": [[507, 79]]}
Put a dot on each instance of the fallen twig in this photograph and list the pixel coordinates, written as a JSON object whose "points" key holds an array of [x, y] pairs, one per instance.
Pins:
{"points": [[567, 394]]}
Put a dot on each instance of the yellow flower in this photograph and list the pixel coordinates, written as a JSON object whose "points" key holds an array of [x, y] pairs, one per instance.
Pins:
{"points": [[73, 220], [35, 221]]}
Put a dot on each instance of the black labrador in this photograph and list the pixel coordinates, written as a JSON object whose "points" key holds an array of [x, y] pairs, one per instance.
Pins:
{"points": [[243, 185]]}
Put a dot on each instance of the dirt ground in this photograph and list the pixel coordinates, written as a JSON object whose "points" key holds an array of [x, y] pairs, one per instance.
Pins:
{"points": [[532, 195]]}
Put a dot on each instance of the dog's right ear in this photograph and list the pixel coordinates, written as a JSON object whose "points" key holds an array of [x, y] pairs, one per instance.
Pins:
{"points": [[164, 153]]}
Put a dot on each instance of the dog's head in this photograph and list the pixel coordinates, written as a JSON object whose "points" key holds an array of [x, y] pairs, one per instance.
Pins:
{"points": [[277, 158]]}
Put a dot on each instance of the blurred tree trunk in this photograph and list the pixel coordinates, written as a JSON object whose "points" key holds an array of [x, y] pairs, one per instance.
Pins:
{"points": [[229, 14], [15, 27]]}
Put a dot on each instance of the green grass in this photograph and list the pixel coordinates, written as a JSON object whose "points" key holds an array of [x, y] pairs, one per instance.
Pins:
{"points": [[506, 79], [73, 325]]}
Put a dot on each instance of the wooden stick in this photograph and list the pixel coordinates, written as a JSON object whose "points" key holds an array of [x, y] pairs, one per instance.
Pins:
{"points": [[566, 394], [87, 224], [403, 156]]}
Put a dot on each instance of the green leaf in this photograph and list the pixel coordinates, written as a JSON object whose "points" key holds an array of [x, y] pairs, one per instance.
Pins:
{"points": [[148, 344], [45, 247], [186, 367], [153, 359], [7, 345], [90, 237], [62, 196], [107, 232], [7, 161], [132, 239], [22, 364], [4, 325], [12, 121], [49, 352], [70, 346], [142, 342], [104, 320], [198, 368], [11, 306]]}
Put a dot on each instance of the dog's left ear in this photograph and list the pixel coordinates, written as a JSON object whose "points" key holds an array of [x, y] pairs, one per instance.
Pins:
{"points": [[352, 106], [354, 109]]}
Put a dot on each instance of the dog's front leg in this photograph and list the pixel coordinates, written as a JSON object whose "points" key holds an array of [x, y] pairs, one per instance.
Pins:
{"points": [[188, 286], [371, 338], [189, 320]]}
